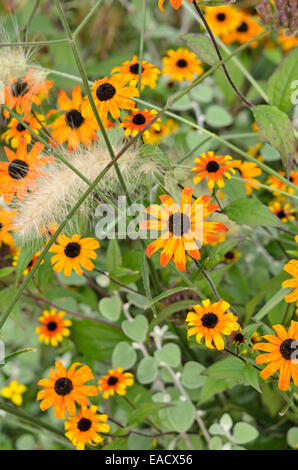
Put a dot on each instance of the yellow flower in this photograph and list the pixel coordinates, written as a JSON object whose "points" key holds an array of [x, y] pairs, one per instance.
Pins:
{"points": [[129, 70], [181, 64], [14, 392], [222, 19], [53, 327], [16, 131], [246, 29], [231, 256], [283, 210], [72, 253], [84, 428], [31, 263], [6, 225], [248, 171], [137, 120], [292, 268], [115, 382], [213, 167], [211, 321], [154, 136]]}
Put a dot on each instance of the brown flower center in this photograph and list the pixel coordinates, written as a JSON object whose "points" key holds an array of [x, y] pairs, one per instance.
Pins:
{"points": [[139, 119], [20, 127], [19, 88], [179, 224], [281, 214], [72, 249], [221, 16], [134, 68], [181, 63], [209, 320], [63, 386], [52, 326], [239, 338], [112, 380], [84, 424], [105, 92], [74, 119], [18, 169], [289, 349], [243, 27], [229, 255], [212, 166]]}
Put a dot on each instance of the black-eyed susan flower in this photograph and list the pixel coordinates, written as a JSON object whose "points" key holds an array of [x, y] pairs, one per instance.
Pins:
{"points": [[181, 64], [111, 95], [292, 268], [6, 225], [184, 228], [154, 136], [21, 93], [129, 70], [283, 210], [85, 427], [53, 327], [281, 354], [20, 173], [255, 337], [231, 256], [248, 171], [115, 382], [276, 183], [246, 29], [137, 120], [64, 388], [238, 337], [222, 19], [14, 391], [287, 42], [211, 321], [16, 131], [176, 4], [75, 126], [214, 168], [72, 253]]}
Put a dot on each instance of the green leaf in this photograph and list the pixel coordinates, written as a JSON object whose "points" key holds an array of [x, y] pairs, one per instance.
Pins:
{"points": [[218, 117], [124, 356], [229, 368], [114, 259], [191, 375], [252, 376], [271, 303], [169, 354], [279, 84], [181, 416], [136, 329], [94, 340], [167, 312], [244, 432], [201, 46], [166, 294], [211, 387], [277, 130], [110, 308], [124, 275], [147, 370], [251, 212], [292, 437], [217, 253], [15, 354], [144, 411], [6, 271]]}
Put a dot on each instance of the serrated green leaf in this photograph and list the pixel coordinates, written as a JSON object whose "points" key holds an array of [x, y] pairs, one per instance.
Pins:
{"points": [[251, 212], [201, 46], [280, 83]]}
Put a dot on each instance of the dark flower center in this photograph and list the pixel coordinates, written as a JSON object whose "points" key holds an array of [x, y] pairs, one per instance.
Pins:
{"points": [[281, 214], [19, 88], [105, 92], [30, 264], [134, 68], [63, 386], [20, 127], [18, 169], [179, 224], [84, 424], [52, 326], [139, 119], [221, 16], [74, 119], [181, 63], [212, 166], [72, 249], [1, 226], [288, 349], [112, 380], [243, 27], [239, 338], [209, 320], [229, 255]]}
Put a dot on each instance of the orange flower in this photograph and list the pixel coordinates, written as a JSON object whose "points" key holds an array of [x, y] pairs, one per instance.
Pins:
{"points": [[130, 70], [248, 171], [137, 120], [181, 64], [16, 131], [74, 126], [292, 268], [213, 167], [6, 225], [246, 29], [84, 428], [53, 327], [19, 174], [176, 4], [23, 92], [183, 227], [281, 354], [115, 382], [111, 95], [64, 388]]}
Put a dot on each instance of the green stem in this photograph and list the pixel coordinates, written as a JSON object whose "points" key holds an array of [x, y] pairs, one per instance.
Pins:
{"points": [[141, 50], [35, 43], [261, 185], [87, 18], [25, 29]]}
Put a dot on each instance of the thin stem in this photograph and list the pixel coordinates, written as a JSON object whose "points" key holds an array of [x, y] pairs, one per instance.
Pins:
{"points": [[141, 50], [261, 185], [25, 29], [35, 43], [87, 18], [238, 92], [119, 283]]}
